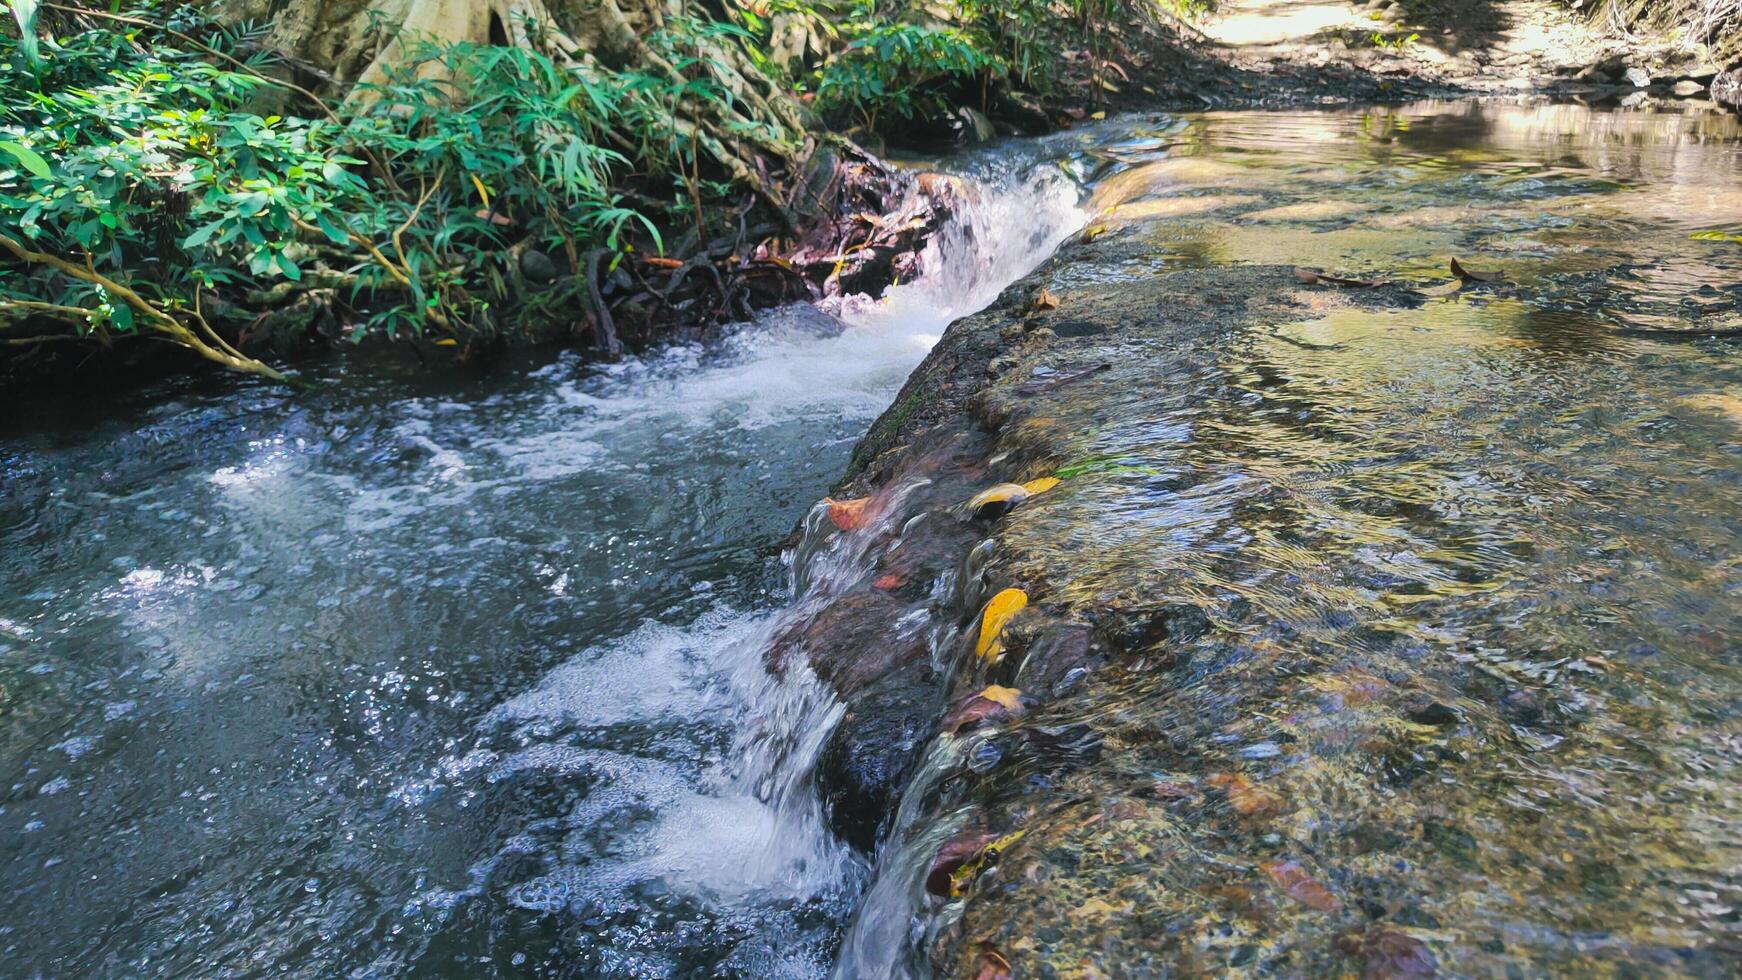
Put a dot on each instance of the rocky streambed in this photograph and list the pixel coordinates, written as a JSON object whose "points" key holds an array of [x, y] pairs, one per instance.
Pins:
{"points": [[1223, 616]]}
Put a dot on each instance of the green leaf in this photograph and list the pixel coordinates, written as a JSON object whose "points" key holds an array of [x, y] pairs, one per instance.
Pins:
{"points": [[201, 234], [25, 11], [28, 159], [330, 228]]}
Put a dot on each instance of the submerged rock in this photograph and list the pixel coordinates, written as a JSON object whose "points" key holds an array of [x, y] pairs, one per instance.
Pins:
{"points": [[1316, 644], [1727, 89]]}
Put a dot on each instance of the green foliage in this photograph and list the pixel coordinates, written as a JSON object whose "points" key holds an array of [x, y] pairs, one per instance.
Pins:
{"points": [[891, 68], [904, 69], [154, 167], [1392, 40], [24, 13], [135, 168]]}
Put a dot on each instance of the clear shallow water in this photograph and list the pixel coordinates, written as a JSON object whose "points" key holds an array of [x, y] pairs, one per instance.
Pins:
{"points": [[453, 675], [1433, 606]]}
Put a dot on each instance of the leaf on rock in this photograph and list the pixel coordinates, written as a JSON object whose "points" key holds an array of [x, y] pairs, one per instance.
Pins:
{"points": [[999, 611], [1300, 886], [1389, 954], [1314, 277], [893, 580], [1045, 300], [1467, 276], [993, 704], [848, 515], [1041, 485], [991, 964], [1444, 289], [1248, 798], [956, 852], [996, 501]]}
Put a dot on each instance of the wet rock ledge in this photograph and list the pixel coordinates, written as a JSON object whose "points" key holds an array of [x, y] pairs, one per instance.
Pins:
{"points": [[1186, 742]]}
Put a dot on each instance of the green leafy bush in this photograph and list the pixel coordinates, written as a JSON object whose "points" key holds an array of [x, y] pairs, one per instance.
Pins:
{"points": [[904, 69], [145, 184]]}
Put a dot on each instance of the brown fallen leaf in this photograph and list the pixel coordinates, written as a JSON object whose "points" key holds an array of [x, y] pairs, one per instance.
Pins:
{"points": [[1300, 886], [1468, 276], [893, 580], [999, 611], [661, 262], [493, 216], [991, 964], [956, 852], [1314, 277], [1248, 798], [1389, 954], [848, 515], [1045, 300], [993, 704]]}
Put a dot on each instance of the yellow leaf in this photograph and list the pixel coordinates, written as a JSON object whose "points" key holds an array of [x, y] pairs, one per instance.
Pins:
{"points": [[964, 875], [483, 195], [998, 612], [1041, 485], [1009, 494], [446, 342], [1009, 697]]}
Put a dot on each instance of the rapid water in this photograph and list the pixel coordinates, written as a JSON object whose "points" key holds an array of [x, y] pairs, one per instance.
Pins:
{"points": [[438, 674], [429, 673]]}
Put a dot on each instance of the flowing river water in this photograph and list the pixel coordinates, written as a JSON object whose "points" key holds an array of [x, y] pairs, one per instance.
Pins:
{"points": [[433, 673]]}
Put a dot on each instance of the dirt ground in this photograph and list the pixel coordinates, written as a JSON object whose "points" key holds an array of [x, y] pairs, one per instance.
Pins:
{"points": [[1327, 50]]}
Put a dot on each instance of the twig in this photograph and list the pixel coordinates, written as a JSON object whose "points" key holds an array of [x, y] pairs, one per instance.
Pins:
{"points": [[161, 320]]}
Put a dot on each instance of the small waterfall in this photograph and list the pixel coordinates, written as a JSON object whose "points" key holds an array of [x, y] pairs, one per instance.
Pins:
{"points": [[1003, 233], [696, 738]]}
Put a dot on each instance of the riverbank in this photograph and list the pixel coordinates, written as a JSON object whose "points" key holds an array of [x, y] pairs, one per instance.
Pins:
{"points": [[466, 187], [489, 256], [1277, 615]]}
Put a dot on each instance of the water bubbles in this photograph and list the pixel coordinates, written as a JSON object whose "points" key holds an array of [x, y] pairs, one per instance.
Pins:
{"points": [[545, 895]]}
